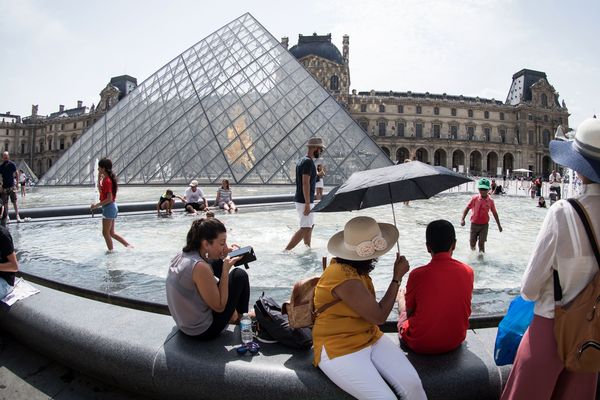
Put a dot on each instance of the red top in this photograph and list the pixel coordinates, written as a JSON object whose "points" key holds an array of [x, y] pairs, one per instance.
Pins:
{"points": [[481, 208], [439, 294], [106, 188]]}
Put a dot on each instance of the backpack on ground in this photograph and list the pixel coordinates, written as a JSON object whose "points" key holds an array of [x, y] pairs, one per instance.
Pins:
{"points": [[276, 325], [577, 324]]}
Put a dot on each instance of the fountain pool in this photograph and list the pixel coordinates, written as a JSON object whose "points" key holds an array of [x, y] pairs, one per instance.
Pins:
{"points": [[73, 250]]}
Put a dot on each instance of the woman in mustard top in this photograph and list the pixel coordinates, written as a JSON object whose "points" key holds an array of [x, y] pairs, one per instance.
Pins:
{"points": [[348, 345]]}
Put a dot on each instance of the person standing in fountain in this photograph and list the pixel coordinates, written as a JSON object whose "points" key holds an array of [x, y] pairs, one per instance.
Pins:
{"points": [[306, 178], [481, 205], [349, 347], [562, 245], [201, 303], [10, 177], [107, 187], [320, 184]]}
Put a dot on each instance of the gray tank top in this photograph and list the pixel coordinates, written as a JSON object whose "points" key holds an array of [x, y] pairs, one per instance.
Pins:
{"points": [[191, 314]]}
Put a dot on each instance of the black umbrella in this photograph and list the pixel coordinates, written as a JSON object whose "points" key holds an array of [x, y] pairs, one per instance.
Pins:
{"points": [[375, 187]]}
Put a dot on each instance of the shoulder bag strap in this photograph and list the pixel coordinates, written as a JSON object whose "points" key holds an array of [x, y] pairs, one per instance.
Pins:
{"points": [[585, 219], [326, 306]]}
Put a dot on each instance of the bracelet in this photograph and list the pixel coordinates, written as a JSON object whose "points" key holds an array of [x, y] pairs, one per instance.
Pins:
{"points": [[396, 281]]}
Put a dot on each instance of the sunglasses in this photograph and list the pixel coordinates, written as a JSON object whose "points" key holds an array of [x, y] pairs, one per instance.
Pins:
{"points": [[251, 347]]}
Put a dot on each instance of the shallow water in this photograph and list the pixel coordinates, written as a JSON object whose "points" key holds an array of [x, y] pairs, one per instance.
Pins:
{"points": [[73, 251]]}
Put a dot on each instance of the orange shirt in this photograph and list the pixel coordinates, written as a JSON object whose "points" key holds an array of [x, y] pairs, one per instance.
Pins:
{"points": [[340, 329]]}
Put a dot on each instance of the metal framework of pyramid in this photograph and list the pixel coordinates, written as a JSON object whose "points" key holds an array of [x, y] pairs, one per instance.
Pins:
{"points": [[236, 105]]}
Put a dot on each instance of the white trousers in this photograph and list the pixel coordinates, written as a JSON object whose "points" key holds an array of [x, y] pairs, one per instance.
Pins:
{"points": [[364, 373]]}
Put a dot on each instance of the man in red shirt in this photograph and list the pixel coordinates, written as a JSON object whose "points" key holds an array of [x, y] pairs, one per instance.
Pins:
{"points": [[435, 316], [481, 205]]}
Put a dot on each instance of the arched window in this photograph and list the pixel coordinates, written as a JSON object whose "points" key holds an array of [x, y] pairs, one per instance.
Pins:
{"points": [[334, 83], [6, 146], [544, 100], [61, 143]]}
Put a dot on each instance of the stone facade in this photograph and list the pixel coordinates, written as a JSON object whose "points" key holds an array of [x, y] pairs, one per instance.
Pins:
{"points": [[41, 140], [471, 134]]}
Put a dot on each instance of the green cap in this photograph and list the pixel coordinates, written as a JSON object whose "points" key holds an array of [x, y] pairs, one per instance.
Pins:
{"points": [[483, 183]]}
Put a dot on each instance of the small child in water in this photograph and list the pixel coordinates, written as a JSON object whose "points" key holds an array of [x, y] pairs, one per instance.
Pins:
{"points": [[541, 202], [166, 202]]}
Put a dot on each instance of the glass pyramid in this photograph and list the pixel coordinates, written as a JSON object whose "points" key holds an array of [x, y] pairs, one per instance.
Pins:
{"points": [[236, 105]]}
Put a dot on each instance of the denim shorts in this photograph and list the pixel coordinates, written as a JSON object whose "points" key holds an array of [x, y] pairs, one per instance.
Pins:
{"points": [[5, 288], [110, 211]]}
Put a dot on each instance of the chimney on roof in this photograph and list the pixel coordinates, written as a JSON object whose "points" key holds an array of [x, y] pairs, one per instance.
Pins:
{"points": [[61, 108], [346, 49], [285, 42], [79, 103]]}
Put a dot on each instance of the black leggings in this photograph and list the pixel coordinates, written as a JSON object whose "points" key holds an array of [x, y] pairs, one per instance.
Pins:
{"points": [[239, 296]]}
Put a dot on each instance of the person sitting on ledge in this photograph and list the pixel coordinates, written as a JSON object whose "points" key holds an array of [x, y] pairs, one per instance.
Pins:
{"points": [[167, 201], [192, 196], [202, 304], [8, 261], [434, 312], [348, 345]]}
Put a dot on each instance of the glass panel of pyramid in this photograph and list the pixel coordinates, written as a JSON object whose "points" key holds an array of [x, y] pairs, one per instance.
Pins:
{"points": [[236, 105]]}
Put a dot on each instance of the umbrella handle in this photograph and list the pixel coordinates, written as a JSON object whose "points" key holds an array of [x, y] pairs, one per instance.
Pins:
{"points": [[394, 214]]}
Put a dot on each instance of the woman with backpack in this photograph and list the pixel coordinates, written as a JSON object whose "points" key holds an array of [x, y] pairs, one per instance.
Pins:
{"points": [[562, 245], [201, 303], [349, 347]]}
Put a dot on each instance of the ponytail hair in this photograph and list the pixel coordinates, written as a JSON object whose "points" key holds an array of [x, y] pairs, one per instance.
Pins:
{"points": [[203, 229], [107, 165]]}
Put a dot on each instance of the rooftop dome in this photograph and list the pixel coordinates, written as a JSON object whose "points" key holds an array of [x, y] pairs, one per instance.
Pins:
{"points": [[317, 45]]}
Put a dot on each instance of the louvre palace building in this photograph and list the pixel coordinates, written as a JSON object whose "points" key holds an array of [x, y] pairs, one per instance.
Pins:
{"points": [[239, 105], [39, 140], [471, 134]]}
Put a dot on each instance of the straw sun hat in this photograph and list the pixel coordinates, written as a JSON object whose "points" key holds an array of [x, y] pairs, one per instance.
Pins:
{"points": [[583, 153], [363, 239], [315, 142]]}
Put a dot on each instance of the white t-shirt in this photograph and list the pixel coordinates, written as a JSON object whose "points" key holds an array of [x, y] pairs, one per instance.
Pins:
{"points": [[554, 179], [193, 197], [562, 244]]}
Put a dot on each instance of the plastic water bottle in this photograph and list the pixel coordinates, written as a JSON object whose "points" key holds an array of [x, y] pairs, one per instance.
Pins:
{"points": [[246, 328]]}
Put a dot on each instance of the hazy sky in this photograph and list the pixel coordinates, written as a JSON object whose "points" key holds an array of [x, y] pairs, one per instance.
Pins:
{"points": [[57, 52]]}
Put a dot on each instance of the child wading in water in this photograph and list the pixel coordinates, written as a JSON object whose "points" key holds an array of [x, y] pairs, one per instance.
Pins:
{"points": [[107, 187], [481, 204]]}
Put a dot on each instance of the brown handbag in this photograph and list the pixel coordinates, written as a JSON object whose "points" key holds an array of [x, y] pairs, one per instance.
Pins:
{"points": [[300, 309], [577, 324]]}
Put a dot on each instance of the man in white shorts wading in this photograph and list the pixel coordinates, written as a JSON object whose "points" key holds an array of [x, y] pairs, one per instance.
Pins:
{"points": [[306, 178]]}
